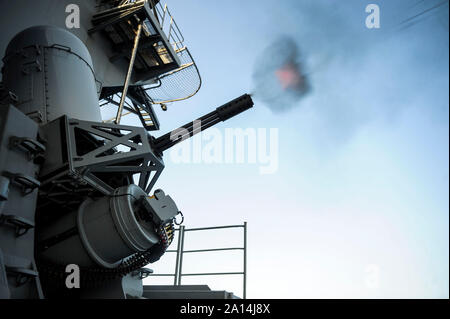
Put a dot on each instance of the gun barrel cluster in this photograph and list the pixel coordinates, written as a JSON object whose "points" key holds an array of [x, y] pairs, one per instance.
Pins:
{"points": [[220, 114]]}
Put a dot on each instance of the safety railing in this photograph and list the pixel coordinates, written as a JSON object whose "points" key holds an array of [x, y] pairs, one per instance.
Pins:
{"points": [[179, 84], [169, 25], [162, 14], [178, 274]]}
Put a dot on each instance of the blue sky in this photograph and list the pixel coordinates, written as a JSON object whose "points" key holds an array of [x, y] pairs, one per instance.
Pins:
{"points": [[359, 206]]}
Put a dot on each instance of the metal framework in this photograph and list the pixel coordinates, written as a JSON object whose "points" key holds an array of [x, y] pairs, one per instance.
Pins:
{"points": [[114, 149], [169, 84], [180, 252], [155, 55], [98, 160]]}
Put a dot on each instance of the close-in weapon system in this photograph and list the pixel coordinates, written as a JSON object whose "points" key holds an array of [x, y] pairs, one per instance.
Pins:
{"points": [[76, 190]]}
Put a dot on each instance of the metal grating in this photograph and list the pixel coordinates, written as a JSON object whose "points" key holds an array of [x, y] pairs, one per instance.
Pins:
{"points": [[178, 84]]}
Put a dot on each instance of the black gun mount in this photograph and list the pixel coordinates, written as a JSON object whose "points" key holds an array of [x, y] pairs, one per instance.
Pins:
{"points": [[221, 113]]}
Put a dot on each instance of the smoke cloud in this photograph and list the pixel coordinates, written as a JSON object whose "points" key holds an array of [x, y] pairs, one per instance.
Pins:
{"points": [[278, 75], [347, 75]]}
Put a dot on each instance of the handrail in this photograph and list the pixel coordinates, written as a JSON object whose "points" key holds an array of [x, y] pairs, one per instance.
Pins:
{"points": [[180, 251], [176, 38]]}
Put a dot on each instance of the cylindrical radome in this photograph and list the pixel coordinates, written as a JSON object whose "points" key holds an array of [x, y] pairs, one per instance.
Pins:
{"points": [[100, 232], [50, 70]]}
